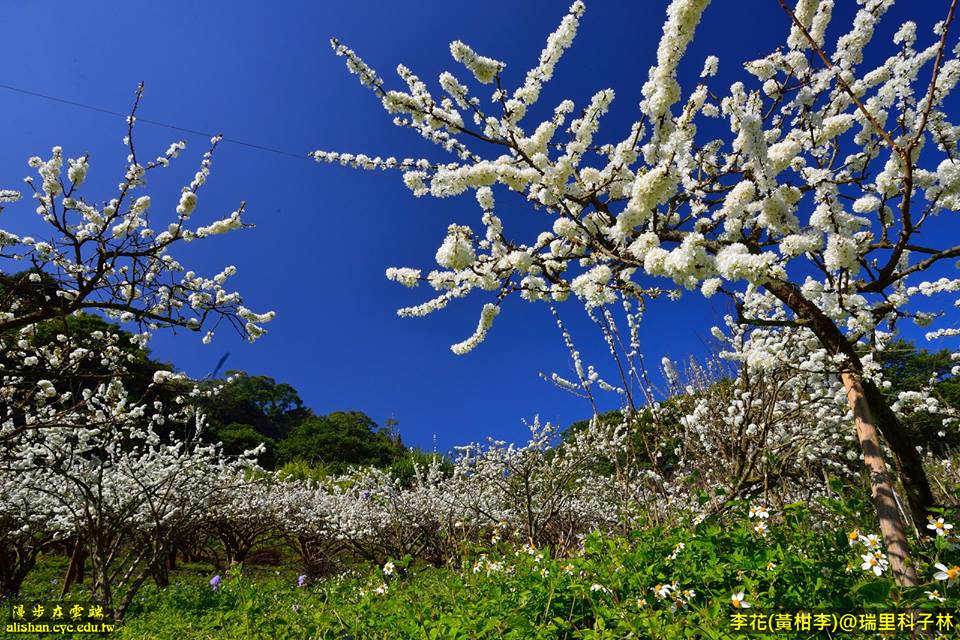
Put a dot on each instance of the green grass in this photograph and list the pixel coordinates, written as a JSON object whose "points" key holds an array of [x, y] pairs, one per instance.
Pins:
{"points": [[511, 592]]}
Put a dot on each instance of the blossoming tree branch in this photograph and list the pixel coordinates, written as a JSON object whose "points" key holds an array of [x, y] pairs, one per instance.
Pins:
{"points": [[112, 257], [810, 215]]}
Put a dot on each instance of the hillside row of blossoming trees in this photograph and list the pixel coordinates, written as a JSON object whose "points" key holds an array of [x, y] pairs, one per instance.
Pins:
{"points": [[817, 200], [86, 463]]}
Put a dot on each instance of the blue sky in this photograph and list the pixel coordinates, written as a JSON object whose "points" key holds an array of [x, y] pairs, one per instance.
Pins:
{"points": [[264, 73]]}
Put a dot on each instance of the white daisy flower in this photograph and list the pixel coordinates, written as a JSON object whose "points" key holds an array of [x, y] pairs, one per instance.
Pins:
{"points": [[738, 602], [875, 562], [939, 526], [759, 511], [871, 541], [946, 573]]}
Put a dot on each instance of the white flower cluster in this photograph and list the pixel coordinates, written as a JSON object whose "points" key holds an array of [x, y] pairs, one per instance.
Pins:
{"points": [[658, 204], [782, 419], [545, 492], [483, 69], [118, 474], [113, 259]]}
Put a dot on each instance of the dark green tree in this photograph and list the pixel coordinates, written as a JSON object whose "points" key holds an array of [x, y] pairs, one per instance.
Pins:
{"points": [[340, 439], [269, 410], [911, 369], [237, 438]]}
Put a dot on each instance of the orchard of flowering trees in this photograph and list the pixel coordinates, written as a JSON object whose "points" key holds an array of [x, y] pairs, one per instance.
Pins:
{"points": [[809, 216]]}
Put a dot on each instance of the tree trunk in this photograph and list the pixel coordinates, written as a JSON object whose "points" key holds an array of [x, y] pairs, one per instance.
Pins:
{"points": [[14, 568], [74, 573], [102, 589], [908, 462], [161, 574], [881, 486]]}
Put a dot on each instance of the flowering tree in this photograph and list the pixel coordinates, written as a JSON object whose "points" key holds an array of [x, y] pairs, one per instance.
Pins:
{"points": [[306, 512], [108, 258], [98, 459], [819, 195], [778, 425], [242, 517], [551, 494], [24, 530], [541, 493]]}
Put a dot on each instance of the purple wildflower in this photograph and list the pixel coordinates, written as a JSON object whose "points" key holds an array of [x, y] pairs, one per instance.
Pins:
{"points": [[301, 581], [215, 582]]}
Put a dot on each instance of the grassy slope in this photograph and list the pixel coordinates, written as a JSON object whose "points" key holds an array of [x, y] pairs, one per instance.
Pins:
{"points": [[508, 591]]}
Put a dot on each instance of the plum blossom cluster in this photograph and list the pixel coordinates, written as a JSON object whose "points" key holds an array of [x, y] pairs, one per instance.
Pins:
{"points": [[768, 419], [545, 493], [642, 210]]}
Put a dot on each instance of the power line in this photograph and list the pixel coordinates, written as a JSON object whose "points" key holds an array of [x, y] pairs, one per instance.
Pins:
{"points": [[73, 103]]}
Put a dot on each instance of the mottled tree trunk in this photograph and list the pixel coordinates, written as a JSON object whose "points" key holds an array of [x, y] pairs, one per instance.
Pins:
{"points": [[881, 485], [908, 462], [102, 589]]}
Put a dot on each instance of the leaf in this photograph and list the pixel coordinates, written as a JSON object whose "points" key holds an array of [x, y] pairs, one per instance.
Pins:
{"points": [[874, 592]]}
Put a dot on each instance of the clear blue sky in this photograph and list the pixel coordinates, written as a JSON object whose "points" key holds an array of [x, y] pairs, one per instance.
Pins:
{"points": [[264, 73]]}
